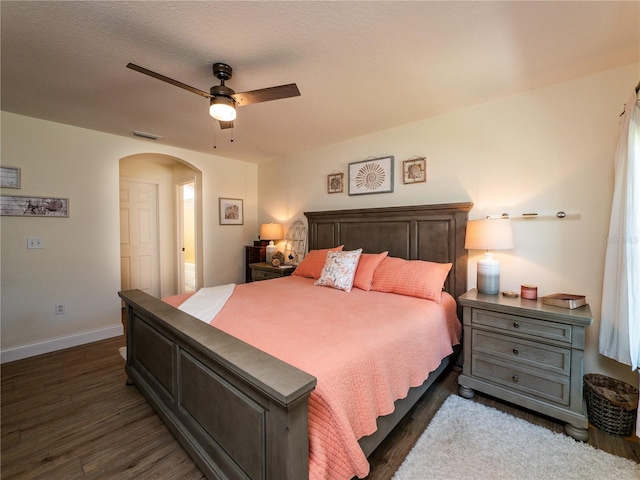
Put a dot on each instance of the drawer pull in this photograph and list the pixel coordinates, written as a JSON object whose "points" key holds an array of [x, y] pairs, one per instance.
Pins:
{"points": [[516, 325], [515, 378], [515, 351]]}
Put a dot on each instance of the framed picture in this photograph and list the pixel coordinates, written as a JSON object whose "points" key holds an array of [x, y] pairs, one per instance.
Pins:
{"points": [[335, 183], [371, 176], [414, 170], [21, 206], [231, 212], [9, 177]]}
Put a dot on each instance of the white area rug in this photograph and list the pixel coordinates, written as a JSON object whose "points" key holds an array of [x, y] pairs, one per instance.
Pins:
{"points": [[123, 353], [467, 440]]}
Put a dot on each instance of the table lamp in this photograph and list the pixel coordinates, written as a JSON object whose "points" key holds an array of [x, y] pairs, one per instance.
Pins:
{"points": [[489, 234], [271, 232]]}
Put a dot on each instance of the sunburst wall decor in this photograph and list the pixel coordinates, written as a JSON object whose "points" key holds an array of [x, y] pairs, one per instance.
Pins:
{"points": [[371, 176]]}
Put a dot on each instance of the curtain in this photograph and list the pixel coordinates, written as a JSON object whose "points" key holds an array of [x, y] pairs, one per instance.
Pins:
{"points": [[620, 316]]}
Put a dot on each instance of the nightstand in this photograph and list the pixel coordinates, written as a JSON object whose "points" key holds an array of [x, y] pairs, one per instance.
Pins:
{"points": [[526, 353], [265, 271]]}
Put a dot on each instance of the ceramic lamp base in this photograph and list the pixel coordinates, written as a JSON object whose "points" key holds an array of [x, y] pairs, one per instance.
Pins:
{"points": [[488, 275], [271, 250]]}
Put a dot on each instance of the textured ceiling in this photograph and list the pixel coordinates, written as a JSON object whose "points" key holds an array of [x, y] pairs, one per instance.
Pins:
{"points": [[361, 66]]}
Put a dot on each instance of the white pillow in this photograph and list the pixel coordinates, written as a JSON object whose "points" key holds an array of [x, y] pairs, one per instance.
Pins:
{"points": [[339, 270]]}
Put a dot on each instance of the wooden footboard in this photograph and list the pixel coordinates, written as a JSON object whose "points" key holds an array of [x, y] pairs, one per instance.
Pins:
{"points": [[239, 412]]}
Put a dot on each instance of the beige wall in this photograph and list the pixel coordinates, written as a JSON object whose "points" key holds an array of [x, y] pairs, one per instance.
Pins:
{"points": [[80, 264], [546, 150], [543, 151]]}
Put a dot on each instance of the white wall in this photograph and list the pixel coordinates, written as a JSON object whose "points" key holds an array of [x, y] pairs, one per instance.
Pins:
{"points": [[542, 151], [80, 264]]}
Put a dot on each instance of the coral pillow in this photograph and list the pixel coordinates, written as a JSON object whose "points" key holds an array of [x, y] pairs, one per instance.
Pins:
{"points": [[366, 266], [311, 265], [414, 278], [339, 270]]}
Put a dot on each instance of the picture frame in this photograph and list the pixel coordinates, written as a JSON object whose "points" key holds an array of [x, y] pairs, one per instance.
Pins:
{"points": [[231, 211], [371, 176], [414, 170], [335, 182], [33, 206], [10, 177]]}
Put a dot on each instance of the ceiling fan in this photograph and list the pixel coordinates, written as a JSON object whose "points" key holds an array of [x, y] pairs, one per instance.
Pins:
{"points": [[222, 100]]}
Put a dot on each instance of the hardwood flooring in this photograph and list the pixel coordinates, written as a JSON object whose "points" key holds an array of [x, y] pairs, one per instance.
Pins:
{"points": [[69, 415]]}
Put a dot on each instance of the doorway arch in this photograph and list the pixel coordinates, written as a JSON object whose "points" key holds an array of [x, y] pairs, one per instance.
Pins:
{"points": [[168, 174]]}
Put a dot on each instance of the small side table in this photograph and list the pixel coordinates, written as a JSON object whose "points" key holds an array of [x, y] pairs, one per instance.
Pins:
{"points": [[526, 353], [265, 271]]}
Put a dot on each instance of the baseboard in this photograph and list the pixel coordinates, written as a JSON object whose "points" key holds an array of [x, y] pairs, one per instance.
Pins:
{"points": [[48, 346]]}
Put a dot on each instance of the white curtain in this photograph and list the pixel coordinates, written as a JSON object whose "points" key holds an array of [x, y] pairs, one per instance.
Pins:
{"points": [[620, 316]]}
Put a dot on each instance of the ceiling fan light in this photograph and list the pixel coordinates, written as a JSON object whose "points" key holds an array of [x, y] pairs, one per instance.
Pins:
{"points": [[223, 109]]}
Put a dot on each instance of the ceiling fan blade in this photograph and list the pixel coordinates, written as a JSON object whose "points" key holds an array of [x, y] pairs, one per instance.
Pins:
{"points": [[224, 125], [266, 94], [189, 88]]}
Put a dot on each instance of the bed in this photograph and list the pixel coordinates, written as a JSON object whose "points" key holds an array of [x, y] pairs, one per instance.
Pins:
{"points": [[243, 413]]}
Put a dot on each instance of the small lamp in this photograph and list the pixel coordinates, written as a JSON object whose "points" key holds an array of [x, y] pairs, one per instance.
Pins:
{"points": [[271, 232], [489, 234]]}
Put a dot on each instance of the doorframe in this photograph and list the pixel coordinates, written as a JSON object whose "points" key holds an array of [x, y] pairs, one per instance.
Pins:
{"points": [[182, 171], [180, 234]]}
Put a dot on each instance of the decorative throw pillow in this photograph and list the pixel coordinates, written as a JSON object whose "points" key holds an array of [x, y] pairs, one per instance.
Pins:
{"points": [[366, 266], [339, 270], [414, 278], [311, 265]]}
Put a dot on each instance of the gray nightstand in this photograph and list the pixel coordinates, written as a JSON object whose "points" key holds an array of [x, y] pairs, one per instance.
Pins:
{"points": [[265, 271], [526, 353]]}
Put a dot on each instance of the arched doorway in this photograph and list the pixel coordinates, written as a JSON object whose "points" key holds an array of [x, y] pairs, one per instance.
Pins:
{"points": [[152, 231]]}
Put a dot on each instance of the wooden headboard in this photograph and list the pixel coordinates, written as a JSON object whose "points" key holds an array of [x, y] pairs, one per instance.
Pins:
{"points": [[424, 232]]}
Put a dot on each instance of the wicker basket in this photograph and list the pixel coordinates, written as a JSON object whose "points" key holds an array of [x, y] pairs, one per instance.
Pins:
{"points": [[611, 404]]}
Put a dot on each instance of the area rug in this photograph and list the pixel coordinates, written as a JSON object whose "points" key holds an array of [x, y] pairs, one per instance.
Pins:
{"points": [[467, 440]]}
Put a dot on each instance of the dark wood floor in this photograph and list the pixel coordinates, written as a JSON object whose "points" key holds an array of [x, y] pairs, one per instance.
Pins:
{"points": [[68, 414]]}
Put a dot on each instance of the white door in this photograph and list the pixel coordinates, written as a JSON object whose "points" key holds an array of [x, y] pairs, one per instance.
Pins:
{"points": [[139, 262]]}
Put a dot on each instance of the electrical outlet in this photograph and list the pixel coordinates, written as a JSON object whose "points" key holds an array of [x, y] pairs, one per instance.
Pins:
{"points": [[60, 309], [35, 242]]}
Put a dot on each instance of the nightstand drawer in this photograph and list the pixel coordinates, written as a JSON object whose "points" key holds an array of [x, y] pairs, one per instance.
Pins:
{"points": [[515, 349], [525, 326], [258, 275], [264, 271], [529, 381]]}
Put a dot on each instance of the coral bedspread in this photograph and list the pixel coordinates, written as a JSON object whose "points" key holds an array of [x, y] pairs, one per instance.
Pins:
{"points": [[366, 350]]}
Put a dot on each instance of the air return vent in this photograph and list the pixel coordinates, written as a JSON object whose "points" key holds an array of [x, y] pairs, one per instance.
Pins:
{"points": [[150, 136]]}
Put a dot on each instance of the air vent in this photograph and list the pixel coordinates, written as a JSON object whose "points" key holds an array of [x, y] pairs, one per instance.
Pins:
{"points": [[150, 136]]}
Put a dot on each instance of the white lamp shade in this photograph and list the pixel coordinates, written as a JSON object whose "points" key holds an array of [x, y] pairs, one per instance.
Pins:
{"points": [[271, 231], [489, 234]]}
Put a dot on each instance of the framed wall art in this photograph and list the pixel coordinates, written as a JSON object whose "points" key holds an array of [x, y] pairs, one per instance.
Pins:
{"points": [[371, 176], [23, 206], [414, 170], [231, 212], [335, 182], [9, 177]]}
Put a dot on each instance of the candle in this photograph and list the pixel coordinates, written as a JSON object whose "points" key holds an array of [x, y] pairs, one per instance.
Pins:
{"points": [[529, 292]]}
